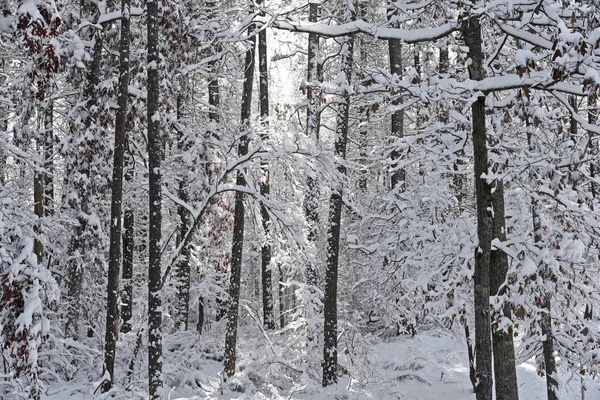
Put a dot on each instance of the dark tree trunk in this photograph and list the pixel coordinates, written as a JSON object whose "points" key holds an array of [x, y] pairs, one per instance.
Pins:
{"points": [[38, 207], [200, 324], [311, 199], [546, 318], [128, 252], [592, 118], [183, 270], [114, 253], [79, 242], [573, 122], [471, 30], [281, 297], [267, 286], [3, 128], [471, 358], [330, 364], [395, 52], [155, 144], [214, 99], [548, 350], [505, 369], [238, 218], [48, 159], [364, 110]]}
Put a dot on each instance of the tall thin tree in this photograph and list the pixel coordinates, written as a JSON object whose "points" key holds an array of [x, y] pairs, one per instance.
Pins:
{"points": [[128, 253], [505, 370], [311, 200], [155, 145], [114, 253], [471, 32], [330, 364], [267, 286], [397, 128], [238, 214]]}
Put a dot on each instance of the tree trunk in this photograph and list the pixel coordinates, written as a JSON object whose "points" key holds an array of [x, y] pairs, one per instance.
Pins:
{"points": [[128, 252], [548, 350], [505, 372], [238, 217], [546, 324], [311, 200], [200, 324], [155, 144], [395, 52], [267, 286], [573, 122], [364, 110], [3, 129], [79, 244], [471, 30], [114, 253], [330, 365], [592, 118], [183, 265], [281, 293], [48, 158], [38, 206]]}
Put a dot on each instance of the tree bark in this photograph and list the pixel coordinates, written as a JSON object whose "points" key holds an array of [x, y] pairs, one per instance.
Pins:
{"points": [[592, 118], [238, 217], [364, 110], [267, 286], [114, 253], [183, 271], [155, 144], [505, 372], [397, 128], [311, 200], [330, 364], [79, 242], [38, 207], [471, 31], [548, 350], [48, 158], [128, 252], [281, 293], [200, 324]]}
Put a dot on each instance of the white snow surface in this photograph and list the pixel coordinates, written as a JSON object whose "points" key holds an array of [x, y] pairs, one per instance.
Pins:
{"points": [[430, 366]]}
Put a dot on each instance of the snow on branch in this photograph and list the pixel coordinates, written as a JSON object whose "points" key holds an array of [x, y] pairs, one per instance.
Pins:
{"points": [[377, 31], [116, 15]]}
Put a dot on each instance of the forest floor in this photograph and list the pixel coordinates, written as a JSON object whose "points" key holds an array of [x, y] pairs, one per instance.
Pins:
{"points": [[430, 366]]}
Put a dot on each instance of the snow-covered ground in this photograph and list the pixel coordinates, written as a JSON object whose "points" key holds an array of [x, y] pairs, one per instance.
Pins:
{"points": [[430, 366]]}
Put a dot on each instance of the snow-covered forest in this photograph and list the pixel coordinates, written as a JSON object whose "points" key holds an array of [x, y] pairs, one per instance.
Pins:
{"points": [[299, 199]]}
